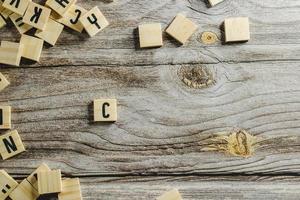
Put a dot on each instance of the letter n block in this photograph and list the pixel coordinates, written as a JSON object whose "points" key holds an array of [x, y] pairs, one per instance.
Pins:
{"points": [[105, 110], [16, 6], [5, 117], [7, 184], [11, 145], [24, 191], [36, 16], [60, 6], [70, 190], [49, 182]]}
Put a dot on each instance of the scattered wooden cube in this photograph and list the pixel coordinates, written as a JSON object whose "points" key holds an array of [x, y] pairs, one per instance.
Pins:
{"points": [[150, 35], [11, 145], [51, 33], [71, 18], [3, 83], [237, 29], [32, 47], [5, 117], [7, 184], [214, 2], [70, 190], [170, 195], [19, 24], [93, 21], [60, 6], [16, 6], [2, 22], [36, 16], [10, 53], [5, 13], [49, 182], [181, 28], [24, 191], [32, 178], [105, 110]]}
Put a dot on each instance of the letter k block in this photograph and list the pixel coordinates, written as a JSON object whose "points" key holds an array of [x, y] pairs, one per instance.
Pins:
{"points": [[37, 16]]}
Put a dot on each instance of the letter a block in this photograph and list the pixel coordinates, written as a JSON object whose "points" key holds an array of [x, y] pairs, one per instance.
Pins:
{"points": [[49, 182], [3, 84], [170, 195], [24, 191], [70, 190], [36, 16], [60, 6], [7, 184], [5, 117], [16, 6], [105, 110], [11, 145], [93, 21]]}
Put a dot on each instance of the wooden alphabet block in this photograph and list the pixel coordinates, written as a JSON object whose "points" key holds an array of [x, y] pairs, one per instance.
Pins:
{"points": [[5, 13], [2, 22], [19, 24], [237, 29], [181, 28], [11, 145], [72, 16], [16, 6], [32, 178], [36, 16], [214, 2], [70, 190], [170, 195], [51, 33], [32, 47], [3, 84], [24, 191], [49, 182], [93, 21], [105, 110], [150, 35], [60, 6], [7, 184], [5, 117], [10, 53]]}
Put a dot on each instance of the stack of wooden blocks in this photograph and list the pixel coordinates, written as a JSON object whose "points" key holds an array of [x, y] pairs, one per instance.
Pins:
{"points": [[49, 22], [41, 182]]}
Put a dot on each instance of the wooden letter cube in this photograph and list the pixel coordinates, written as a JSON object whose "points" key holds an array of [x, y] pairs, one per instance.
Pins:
{"points": [[214, 2], [2, 22], [5, 117], [7, 184], [70, 190], [32, 47], [60, 6], [19, 24], [105, 110], [16, 6], [32, 178], [3, 84], [72, 16], [11, 145], [36, 16], [150, 35], [51, 33], [237, 29], [10, 53], [170, 195], [49, 182], [93, 21], [181, 28], [24, 191]]}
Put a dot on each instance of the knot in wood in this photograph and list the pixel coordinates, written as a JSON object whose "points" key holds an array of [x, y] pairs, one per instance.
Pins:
{"points": [[196, 77], [209, 38]]}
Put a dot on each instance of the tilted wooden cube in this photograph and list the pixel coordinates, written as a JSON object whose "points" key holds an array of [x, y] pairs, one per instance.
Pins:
{"points": [[51, 33], [70, 190], [2, 22], [16, 6], [11, 145], [170, 195], [60, 6], [36, 16], [105, 110], [24, 191], [3, 84], [19, 24], [150, 35], [237, 29], [10, 53], [32, 47], [5, 117], [49, 182], [7, 184], [32, 178]]}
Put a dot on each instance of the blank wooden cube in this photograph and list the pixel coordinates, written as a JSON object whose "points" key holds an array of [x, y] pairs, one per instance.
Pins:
{"points": [[16, 6], [150, 35], [5, 117], [24, 191], [214, 2], [3, 82], [36, 16], [93, 21], [7, 184], [19, 24], [32, 47], [105, 110], [60, 6], [32, 178], [71, 18], [11, 145], [10, 53], [49, 182], [237, 29], [2, 22], [70, 190], [181, 28], [170, 195], [51, 33]]}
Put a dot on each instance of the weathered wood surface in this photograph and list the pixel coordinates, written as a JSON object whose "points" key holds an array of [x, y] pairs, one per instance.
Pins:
{"points": [[164, 125]]}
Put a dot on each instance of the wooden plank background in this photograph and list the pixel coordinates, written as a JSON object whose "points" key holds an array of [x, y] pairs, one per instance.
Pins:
{"points": [[165, 124]]}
